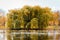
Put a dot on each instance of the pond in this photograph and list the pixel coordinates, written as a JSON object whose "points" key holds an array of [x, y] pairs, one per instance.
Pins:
{"points": [[30, 34], [2, 34], [35, 34]]}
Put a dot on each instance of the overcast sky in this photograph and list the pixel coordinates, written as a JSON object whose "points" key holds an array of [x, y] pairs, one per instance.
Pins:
{"points": [[11, 4]]}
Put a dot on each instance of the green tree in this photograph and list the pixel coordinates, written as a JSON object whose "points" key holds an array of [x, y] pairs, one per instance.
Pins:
{"points": [[14, 21], [29, 17]]}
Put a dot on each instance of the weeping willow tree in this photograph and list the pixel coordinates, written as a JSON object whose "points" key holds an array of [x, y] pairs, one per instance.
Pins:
{"points": [[14, 20], [29, 17]]}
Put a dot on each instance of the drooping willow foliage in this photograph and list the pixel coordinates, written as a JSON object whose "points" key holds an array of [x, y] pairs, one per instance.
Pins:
{"points": [[29, 17]]}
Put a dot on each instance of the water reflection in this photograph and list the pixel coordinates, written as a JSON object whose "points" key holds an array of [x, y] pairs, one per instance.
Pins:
{"points": [[2, 34], [31, 35], [35, 34]]}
